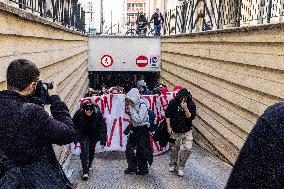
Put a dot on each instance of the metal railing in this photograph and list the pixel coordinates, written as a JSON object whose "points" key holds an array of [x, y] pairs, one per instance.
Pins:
{"points": [[69, 13], [203, 15]]}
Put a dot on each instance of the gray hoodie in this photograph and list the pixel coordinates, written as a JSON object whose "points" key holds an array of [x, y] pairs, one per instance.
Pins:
{"points": [[138, 113]]}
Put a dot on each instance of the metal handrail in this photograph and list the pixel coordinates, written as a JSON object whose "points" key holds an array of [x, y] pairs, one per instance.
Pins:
{"points": [[68, 13], [203, 15]]}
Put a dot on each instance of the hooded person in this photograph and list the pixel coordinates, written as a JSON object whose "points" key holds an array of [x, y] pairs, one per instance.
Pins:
{"points": [[260, 163], [179, 115], [143, 89], [177, 89], [91, 128], [139, 137]]}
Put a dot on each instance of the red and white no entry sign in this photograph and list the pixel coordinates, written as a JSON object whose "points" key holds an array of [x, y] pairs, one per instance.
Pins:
{"points": [[142, 61], [106, 61]]}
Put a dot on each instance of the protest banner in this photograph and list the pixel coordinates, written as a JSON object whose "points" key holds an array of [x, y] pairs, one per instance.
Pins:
{"points": [[113, 110]]}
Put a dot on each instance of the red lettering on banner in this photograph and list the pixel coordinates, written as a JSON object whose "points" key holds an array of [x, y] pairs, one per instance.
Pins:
{"points": [[97, 100], [111, 133], [164, 105], [126, 120], [149, 100], [154, 102], [105, 103]]}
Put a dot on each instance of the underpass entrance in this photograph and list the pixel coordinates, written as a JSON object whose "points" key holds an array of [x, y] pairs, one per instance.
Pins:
{"points": [[124, 79], [123, 60]]}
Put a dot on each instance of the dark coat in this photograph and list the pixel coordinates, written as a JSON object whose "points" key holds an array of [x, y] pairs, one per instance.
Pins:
{"points": [[158, 18], [260, 163], [179, 122], [141, 18], [161, 135], [27, 133], [93, 127]]}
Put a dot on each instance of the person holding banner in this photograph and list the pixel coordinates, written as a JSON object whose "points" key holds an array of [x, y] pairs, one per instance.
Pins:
{"points": [[179, 115], [91, 128], [139, 137]]}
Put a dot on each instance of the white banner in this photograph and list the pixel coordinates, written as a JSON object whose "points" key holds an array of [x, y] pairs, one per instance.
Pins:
{"points": [[113, 110]]}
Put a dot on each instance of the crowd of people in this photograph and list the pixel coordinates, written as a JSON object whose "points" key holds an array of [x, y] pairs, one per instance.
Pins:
{"points": [[141, 85], [28, 132], [27, 157]]}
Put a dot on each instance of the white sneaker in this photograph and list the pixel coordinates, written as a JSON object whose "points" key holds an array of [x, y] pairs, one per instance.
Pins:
{"points": [[172, 169], [180, 173], [85, 177]]}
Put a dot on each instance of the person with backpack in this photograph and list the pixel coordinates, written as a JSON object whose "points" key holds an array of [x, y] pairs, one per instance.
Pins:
{"points": [[90, 128], [179, 115], [138, 135]]}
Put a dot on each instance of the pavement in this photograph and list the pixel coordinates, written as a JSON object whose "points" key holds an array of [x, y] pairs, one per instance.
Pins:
{"points": [[202, 171]]}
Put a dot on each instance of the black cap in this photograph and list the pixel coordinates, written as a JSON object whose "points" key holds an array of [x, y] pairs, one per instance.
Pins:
{"points": [[88, 106]]}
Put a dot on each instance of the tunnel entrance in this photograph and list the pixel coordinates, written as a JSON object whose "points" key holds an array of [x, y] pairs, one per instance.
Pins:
{"points": [[124, 79]]}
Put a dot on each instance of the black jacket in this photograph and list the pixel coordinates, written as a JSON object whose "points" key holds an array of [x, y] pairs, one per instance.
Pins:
{"points": [[179, 122], [260, 163], [141, 18], [27, 133], [162, 136], [93, 126], [158, 18]]}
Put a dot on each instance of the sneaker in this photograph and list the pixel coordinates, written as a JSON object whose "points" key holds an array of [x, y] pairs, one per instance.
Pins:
{"points": [[180, 173], [85, 176], [172, 169], [129, 171]]}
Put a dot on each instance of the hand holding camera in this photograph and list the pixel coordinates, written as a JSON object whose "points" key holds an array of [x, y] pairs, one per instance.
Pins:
{"points": [[52, 88], [43, 92]]}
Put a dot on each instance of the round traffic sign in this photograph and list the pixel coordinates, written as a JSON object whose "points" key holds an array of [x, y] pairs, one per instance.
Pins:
{"points": [[142, 61], [106, 61]]}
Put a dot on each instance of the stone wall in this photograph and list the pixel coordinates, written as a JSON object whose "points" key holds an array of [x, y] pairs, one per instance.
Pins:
{"points": [[234, 75], [61, 54]]}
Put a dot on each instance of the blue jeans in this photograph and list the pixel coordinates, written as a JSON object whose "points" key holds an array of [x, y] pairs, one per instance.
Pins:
{"points": [[157, 29]]}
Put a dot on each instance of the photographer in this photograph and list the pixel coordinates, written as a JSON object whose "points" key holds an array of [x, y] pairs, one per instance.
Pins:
{"points": [[28, 132], [91, 128], [138, 138]]}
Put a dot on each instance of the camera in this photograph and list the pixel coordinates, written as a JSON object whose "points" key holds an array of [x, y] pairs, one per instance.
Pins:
{"points": [[41, 96]]}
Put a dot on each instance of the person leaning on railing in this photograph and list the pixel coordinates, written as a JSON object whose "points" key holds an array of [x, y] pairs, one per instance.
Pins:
{"points": [[158, 21]]}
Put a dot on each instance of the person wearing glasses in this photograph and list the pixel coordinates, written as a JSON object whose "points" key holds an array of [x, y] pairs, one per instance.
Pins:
{"points": [[91, 128]]}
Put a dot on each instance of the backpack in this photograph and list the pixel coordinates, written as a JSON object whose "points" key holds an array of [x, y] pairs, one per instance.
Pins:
{"points": [[152, 116]]}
